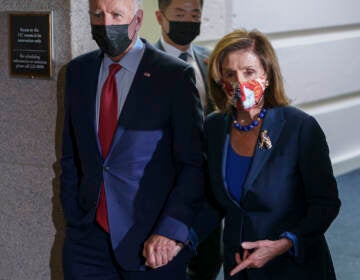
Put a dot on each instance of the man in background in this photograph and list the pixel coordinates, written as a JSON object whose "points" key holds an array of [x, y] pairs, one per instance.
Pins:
{"points": [[180, 22]]}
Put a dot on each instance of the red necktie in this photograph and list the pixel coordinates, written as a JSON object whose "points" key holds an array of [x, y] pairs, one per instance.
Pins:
{"points": [[107, 125]]}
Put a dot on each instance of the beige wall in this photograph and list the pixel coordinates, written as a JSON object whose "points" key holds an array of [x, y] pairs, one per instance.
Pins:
{"points": [[31, 223], [150, 28]]}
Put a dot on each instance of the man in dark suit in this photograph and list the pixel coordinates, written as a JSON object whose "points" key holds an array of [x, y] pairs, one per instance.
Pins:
{"points": [[131, 179], [180, 24]]}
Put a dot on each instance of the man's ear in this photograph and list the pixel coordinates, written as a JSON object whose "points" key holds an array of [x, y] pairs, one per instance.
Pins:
{"points": [[139, 17], [159, 17]]}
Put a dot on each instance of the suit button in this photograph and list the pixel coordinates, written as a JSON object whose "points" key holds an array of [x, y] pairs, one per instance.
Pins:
{"points": [[106, 168]]}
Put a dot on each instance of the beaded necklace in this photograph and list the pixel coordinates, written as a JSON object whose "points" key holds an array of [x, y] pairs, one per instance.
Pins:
{"points": [[253, 124]]}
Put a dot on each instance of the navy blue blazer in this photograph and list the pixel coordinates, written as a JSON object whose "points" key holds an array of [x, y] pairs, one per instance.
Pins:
{"points": [[153, 173], [289, 188]]}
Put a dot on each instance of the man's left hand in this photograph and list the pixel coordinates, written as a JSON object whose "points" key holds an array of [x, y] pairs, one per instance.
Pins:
{"points": [[160, 250]]}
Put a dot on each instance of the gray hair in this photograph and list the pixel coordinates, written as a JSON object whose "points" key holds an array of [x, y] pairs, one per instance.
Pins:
{"points": [[138, 3]]}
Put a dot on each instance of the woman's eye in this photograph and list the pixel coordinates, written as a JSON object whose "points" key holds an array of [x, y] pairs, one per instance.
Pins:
{"points": [[229, 75]]}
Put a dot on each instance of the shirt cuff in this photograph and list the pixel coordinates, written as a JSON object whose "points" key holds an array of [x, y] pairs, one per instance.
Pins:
{"points": [[294, 251], [172, 229]]}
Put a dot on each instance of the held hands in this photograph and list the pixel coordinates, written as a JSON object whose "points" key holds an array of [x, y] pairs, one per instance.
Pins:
{"points": [[160, 250], [257, 254]]}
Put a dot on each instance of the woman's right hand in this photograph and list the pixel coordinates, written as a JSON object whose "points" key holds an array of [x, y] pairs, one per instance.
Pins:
{"points": [[257, 254]]}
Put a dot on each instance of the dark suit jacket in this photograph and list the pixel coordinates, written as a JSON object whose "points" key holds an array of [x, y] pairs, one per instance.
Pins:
{"points": [[153, 172], [289, 187], [201, 57]]}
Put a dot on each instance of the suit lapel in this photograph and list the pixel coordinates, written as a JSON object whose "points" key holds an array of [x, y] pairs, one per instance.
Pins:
{"points": [[273, 123], [200, 60], [91, 73], [140, 84], [219, 145], [159, 46]]}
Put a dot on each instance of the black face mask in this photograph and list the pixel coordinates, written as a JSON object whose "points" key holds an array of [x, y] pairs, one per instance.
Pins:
{"points": [[111, 39], [183, 32]]}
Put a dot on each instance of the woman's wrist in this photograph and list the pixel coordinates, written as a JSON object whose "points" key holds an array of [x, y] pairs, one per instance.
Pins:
{"points": [[285, 245]]}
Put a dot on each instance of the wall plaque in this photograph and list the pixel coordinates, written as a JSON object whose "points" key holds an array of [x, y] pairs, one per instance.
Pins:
{"points": [[30, 44]]}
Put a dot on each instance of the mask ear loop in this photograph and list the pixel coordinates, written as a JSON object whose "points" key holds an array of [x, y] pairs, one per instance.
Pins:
{"points": [[165, 16], [261, 98], [135, 31]]}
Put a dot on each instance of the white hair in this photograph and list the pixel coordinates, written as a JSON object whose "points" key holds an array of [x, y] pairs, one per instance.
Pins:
{"points": [[138, 3]]}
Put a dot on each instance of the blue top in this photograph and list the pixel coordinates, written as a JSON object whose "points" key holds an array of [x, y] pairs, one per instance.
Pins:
{"points": [[236, 170], [237, 167]]}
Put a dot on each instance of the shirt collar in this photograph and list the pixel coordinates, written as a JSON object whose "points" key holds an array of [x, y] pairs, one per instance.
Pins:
{"points": [[131, 60], [174, 51]]}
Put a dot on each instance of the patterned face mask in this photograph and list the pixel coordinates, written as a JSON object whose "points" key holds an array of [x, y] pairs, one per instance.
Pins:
{"points": [[245, 95]]}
